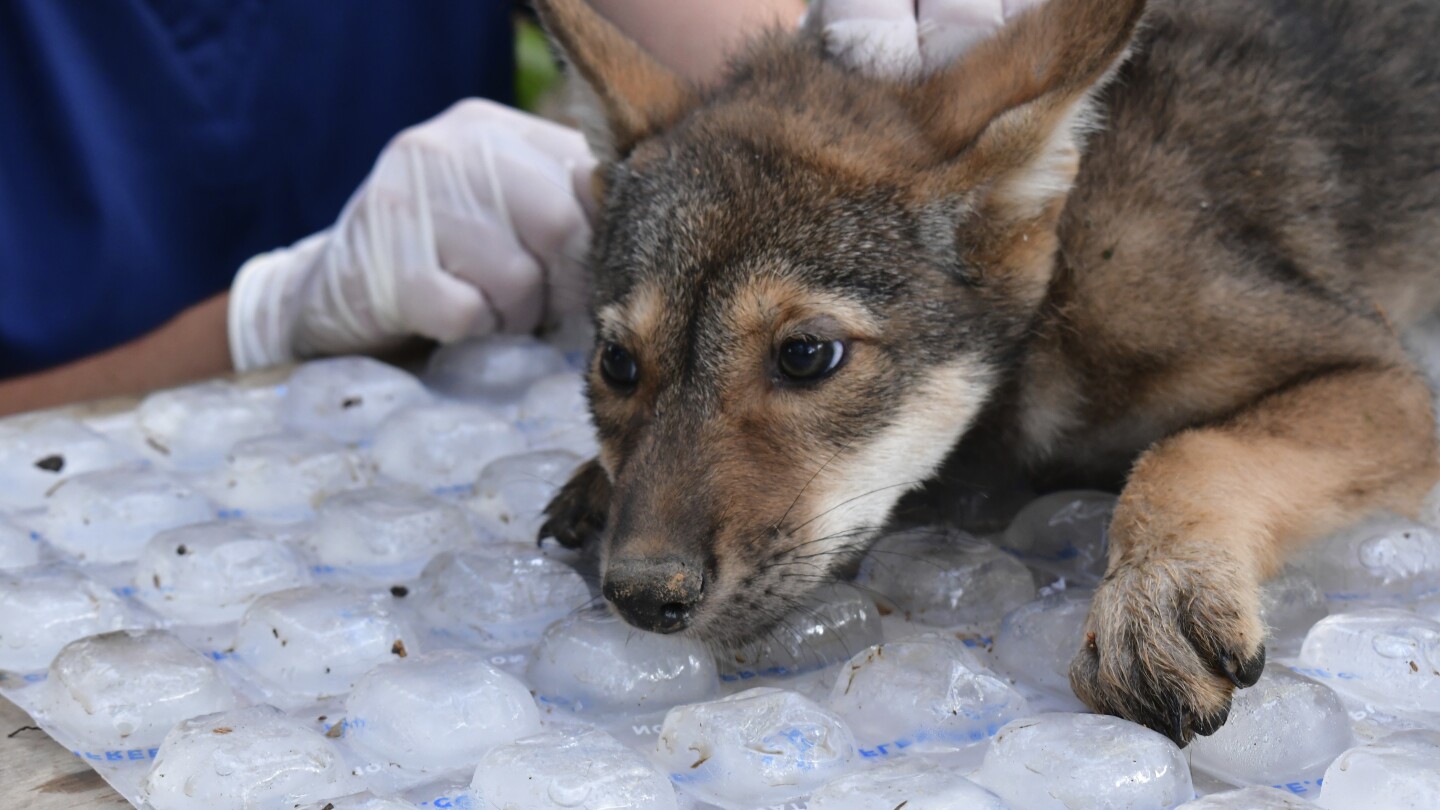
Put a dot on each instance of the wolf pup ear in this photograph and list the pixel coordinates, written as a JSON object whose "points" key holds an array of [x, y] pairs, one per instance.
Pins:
{"points": [[1012, 112], [626, 96]]}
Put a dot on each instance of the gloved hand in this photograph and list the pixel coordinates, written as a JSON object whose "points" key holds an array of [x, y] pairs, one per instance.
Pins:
{"points": [[896, 38], [469, 223]]}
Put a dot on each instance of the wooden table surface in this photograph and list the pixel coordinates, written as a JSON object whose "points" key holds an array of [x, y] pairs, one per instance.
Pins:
{"points": [[37, 774]]}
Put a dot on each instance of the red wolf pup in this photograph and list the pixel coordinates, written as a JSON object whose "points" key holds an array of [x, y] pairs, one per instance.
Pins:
{"points": [[1165, 249]]}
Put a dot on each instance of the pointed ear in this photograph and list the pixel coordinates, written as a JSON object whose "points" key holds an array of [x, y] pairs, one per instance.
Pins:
{"points": [[1011, 114], [626, 96]]}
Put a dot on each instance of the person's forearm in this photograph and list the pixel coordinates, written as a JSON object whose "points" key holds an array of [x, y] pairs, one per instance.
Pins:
{"points": [[191, 346], [694, 37]]}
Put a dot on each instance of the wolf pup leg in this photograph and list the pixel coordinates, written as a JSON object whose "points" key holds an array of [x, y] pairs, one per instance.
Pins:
{"points": [[577, 514], [1209, 513]]}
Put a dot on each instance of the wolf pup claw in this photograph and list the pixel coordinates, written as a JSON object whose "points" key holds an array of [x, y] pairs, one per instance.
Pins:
{"points": [[1167, 247]]}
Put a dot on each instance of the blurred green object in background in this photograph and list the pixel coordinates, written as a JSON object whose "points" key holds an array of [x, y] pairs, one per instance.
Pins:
{"points": [[536, 72]]}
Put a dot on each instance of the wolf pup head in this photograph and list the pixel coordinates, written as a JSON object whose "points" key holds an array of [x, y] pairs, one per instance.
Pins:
{"points": [[807, 282]]}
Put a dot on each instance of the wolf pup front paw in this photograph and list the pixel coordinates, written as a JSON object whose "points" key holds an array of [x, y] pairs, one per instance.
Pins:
{"points": [[577, 514], [1168, 641]]}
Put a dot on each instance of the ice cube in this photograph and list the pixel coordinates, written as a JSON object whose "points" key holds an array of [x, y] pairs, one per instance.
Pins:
{"points": [[577, 438], [505, 594], [126, 689], [208, 573], [317, 641], [592, 661], [1429, 607], [283, 477], [366, 801], [19, 546], [397, 528], [1384, 559], [913, 784], [254, 758], [555, 413], [1037, 640], [437, 712], [1251, 798], [511, 495], [1290, 603], [1084, 762], [945, 577], [194, 427], [107, 516], [1283, 730], [574, 337], [1398, 772], [828, 627], [762, 746], [925, 693], [1064, 533], [346, 398], [46, 607], [571, 769], [558, 398], [497, 368], [1388, 657], [39, 451], [442, 446]]}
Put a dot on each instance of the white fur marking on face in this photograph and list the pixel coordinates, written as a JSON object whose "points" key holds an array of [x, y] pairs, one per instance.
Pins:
{"points": [[637, 318], [860, 489], [611, 320]]}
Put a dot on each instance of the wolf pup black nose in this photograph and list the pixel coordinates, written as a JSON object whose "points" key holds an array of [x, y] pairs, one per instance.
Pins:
{"points": [[653, 593], [1167, 248]]}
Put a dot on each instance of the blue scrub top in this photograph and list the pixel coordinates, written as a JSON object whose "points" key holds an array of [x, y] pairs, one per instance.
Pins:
{"points": [[149, 147]]}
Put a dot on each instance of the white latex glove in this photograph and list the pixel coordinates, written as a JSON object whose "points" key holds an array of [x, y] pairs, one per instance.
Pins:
{"points": [[896, 38], [469, 223]]}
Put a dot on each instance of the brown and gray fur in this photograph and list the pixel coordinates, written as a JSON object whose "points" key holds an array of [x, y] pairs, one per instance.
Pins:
{"points": [[1163, 248]]}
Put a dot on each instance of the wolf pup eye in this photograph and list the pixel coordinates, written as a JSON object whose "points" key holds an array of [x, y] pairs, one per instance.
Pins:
{"points": [[618, 366], [807, 359]]}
